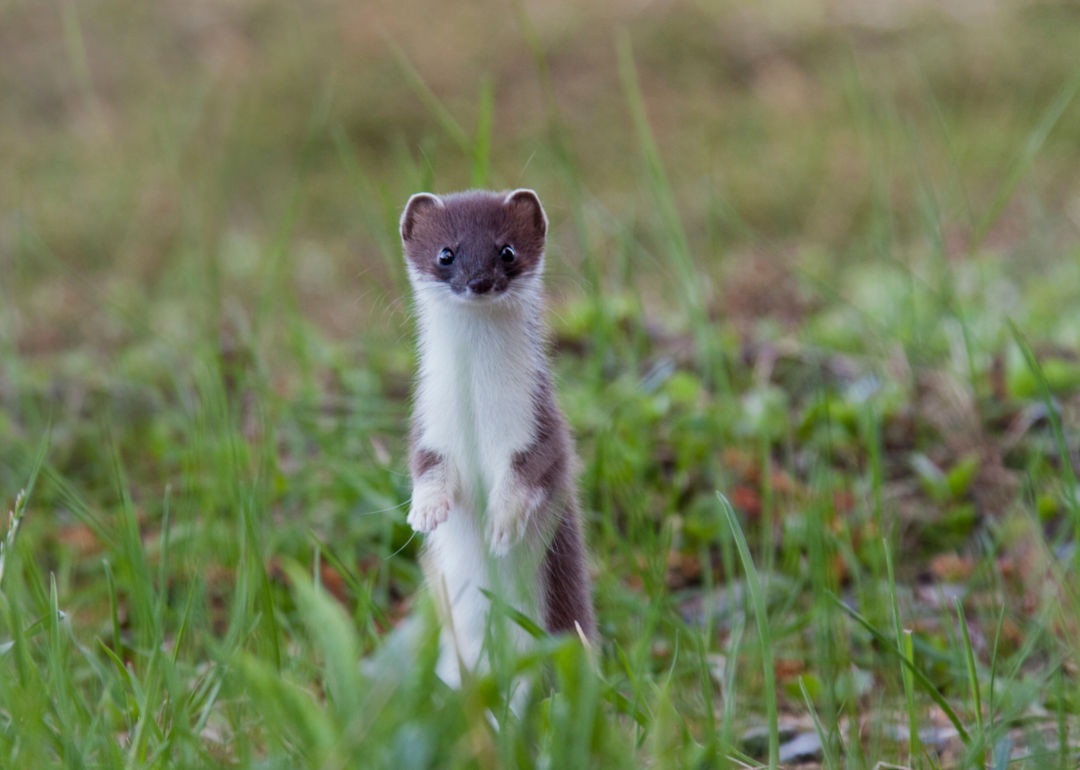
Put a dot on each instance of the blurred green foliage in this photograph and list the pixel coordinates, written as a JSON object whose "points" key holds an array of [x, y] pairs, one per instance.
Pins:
{"points": [[787, 239]]}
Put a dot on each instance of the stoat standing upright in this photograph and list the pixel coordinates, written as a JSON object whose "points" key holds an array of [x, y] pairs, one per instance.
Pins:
{"points": [[491, 456]]}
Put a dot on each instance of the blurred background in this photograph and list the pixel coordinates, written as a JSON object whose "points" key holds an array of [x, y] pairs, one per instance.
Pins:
{"points": [[155, 151], [786, 241]]}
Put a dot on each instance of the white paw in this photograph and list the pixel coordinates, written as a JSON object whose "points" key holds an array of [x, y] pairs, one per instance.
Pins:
{"points": [[429, 509], [507, 519], [504, 532]]}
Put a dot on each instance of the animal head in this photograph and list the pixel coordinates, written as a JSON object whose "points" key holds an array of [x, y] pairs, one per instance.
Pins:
{"points": [[476, 246]]}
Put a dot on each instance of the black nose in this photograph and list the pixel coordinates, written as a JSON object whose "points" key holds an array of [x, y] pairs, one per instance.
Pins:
{"points": [[480, 285]]}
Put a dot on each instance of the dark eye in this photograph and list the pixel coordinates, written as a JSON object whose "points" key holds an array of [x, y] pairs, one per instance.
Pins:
{"points": [[446, 257], [507, 253]]}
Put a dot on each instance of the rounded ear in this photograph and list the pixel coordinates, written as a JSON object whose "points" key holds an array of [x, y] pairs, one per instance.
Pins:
{"points": [[419, 206], [528, 204]]}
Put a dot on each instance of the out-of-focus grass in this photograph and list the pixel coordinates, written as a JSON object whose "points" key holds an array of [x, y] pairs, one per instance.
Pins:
{"points": [[787, 241]]}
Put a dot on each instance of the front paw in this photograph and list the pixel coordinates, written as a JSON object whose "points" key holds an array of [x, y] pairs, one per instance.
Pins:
{"points": [[507, 519], [429, 509]]}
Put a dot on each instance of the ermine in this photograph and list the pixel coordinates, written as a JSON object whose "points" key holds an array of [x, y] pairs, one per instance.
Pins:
{"points": [[491, 455]]}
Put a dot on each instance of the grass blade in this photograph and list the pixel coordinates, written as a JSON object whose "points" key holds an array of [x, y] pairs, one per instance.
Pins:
{"points": [[333, 633], [1024, 160], [183, 625], [247, 511], [918, 675], [969, 654], [1055, 421], [419, 87], [760, 613], [521, 619], [481, 153], [903, 644], [677, 245], [727, 727], [561, 145], [993, 668], [914, 743], [15, 515], [831, 762], [380, 223], [163, 563], [114, 610]]}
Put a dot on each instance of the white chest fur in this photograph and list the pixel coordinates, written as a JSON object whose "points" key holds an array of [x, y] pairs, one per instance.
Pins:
{"points": [[478, 371]]}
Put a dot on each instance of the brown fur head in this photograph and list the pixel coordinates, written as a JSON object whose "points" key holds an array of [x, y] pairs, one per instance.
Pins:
{"points": [[475, 242]]}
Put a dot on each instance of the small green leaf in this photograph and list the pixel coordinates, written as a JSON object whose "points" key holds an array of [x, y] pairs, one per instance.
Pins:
{"points": [[962, 474]]}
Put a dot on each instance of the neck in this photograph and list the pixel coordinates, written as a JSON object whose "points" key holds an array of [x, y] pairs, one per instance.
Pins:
{"points": [[483, 347], [518, 315], [481, 367]]}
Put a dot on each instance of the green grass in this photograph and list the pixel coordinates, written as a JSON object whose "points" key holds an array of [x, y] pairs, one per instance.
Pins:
{"points": [[822, 262]]}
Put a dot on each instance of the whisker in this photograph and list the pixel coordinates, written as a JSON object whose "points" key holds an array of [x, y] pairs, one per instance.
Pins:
{"points": [[403, 547], [386, 510]]}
